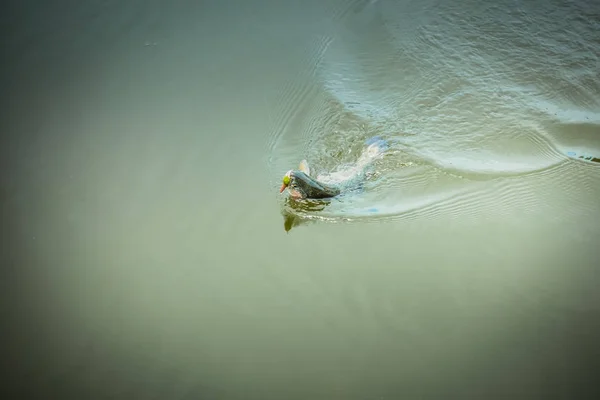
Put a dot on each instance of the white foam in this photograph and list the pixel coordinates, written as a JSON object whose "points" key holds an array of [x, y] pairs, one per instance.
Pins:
{"points": [[349, 172]]}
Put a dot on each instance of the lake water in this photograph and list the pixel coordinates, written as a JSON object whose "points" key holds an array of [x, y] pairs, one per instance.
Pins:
{"points": [[149, 253]]}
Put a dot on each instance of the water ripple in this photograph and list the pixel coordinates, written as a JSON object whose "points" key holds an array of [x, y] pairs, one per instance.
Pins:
{"points": [[470, 115]]}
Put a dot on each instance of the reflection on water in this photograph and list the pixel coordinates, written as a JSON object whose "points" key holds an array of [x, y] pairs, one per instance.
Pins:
{"points": [[291, 220], [293, 210]]}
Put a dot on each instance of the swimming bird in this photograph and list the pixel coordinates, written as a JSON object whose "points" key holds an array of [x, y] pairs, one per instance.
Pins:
{"points": [[301, 185]]}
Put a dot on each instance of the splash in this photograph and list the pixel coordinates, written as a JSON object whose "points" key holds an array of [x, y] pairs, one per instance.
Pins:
{"points": [[376, 146]]}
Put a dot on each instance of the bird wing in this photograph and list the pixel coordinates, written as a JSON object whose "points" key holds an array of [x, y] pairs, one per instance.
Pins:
{"points": [[304, 167]]}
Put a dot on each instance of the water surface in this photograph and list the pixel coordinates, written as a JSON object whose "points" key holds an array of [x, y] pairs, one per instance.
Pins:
{"points": [[150, 255]]}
